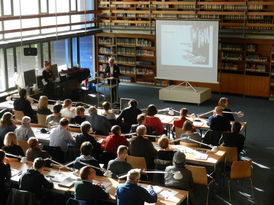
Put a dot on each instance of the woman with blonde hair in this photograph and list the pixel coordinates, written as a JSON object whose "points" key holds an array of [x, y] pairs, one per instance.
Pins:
{"points": [[67, 110], [6, 125], [43, 106], [10, 145]]}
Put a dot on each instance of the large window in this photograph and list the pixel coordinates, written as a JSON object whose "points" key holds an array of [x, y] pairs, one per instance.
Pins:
{"points": [[86, 53]]}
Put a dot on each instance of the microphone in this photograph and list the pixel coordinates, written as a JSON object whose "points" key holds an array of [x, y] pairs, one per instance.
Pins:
{"points": [[61, 165], [239, 113], [107, 173]]}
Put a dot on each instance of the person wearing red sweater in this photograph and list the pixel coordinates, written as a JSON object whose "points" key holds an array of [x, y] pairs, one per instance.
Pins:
{"points": [[179, 122], [112, 142], [153, 122]]}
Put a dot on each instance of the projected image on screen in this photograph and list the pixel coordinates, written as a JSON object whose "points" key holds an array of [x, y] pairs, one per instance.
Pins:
{"points": [[191, 50], [187, 50]]}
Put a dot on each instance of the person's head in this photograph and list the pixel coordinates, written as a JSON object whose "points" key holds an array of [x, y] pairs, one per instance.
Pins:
{"points": [[141, 130], [33, 142], [47, 65], [23, 93], [2, 156], [92, 110], [26, 120], [152, 110], [6, 120], [133, 103], [67, 103], [133, 176], [236, 127], [80, 111], [223, 102], [64, 122], [10, 139], [57, 108], [116, 129], [106, 105], [163, 142], [218, 110], [38, 163], [188, 126], [122, 152], [86, 148], [141, 119], [183, 112], [111, 61], [179, 159], [87, 173], [85, 127], [43, 102]]}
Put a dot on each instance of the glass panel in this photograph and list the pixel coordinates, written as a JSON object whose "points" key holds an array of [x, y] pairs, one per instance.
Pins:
{"points": [[10, 62], [60, 53], [16, 7], [25, 63], [11, 24], [51, 6], [47, 21], [74, 52], [62, 20], [28, 23], [29, 7], [62, 6], [2, 71], [7, 7], [86, 52], [73, 5], [44, 6]]}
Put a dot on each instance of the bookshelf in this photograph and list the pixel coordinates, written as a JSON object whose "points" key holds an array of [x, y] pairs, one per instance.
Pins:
{"points": [[246, 48], [134, 53]]}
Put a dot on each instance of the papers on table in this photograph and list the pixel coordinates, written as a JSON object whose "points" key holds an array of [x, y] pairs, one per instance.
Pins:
{"points": [[197, 154], [63, 180], [170, 195]]}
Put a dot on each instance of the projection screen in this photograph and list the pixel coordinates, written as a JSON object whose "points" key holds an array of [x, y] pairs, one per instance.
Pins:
{"points": [[187, 50]]}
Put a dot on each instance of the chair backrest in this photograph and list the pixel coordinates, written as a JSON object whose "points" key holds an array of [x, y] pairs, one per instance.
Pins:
{"points": [[73, 201], [189, 144], [17, 196], [74, 129], [231, 153], [137, 162], [241, 169], [199, 174], [55, 152], [23, 144], [212, 137], [42, 119], [178, 132], [18, 114]]}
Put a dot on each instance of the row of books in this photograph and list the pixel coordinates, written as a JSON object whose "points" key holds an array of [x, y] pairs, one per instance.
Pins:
{"points": [[232, 56], [135, 71], [126, 41]]}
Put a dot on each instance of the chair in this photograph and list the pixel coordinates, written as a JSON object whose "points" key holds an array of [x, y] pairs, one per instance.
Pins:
{"points": [[56, 153], [23, 144], [178, 132], [18, 114], [188, 144], [137, 162], [200, 177], [241, 170], [212, 137], [73, 201], [17, 196], [231, 153], [72, 153], [42, 119], [74, 129]]}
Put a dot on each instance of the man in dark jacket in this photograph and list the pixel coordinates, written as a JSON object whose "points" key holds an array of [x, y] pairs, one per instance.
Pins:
{"points": [[34, 181], [217, 121], [113, 70]]}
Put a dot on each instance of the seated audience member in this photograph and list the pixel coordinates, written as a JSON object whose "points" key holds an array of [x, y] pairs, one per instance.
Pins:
{"points": [[42, 107], [24, 132], [184, 179], [67, 111], [223, 102], [5, 175], [22, 104], [153, 122], [107, 111], [119, 165], [55, 117], [179, 122], [141, 119], [233, 138], [163, 159], [34, 181], [80, 116], [87, 136], [131, 193], [88, 191], [217, 122], [100, 124], [188, 132], [112, 142], [87, 158], [6, 125], [10, 145], [140, 146], [129, 115], [60, 136], [34, 150]]}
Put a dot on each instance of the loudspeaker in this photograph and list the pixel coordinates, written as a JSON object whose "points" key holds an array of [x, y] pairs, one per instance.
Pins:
{"points": [[30, 51]]}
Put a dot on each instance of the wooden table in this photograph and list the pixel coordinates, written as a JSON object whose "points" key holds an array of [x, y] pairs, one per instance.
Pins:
{"points": [[177, 197]]}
